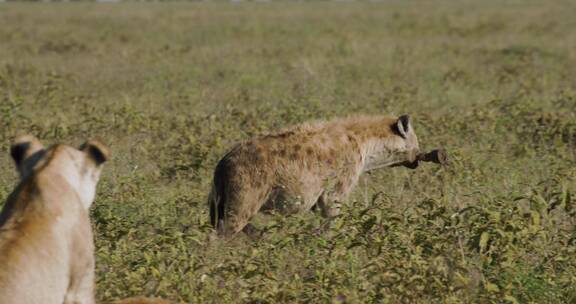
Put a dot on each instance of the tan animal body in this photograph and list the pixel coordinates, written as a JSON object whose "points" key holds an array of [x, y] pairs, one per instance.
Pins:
{"points": [[46, 245], [307, 165]]}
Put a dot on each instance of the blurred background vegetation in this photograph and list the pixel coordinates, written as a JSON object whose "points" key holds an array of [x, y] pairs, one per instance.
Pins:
{"points": [[170, 87]]}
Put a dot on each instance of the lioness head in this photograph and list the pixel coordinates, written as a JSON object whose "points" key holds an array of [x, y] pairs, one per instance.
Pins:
{"points": [[80, 167]]}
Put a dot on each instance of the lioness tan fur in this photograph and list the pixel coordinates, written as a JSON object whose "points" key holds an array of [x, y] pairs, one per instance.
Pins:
{"points": [[307, 165], [46, 246]]}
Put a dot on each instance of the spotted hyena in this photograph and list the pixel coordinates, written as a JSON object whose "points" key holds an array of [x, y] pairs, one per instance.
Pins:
{"points": [[304, 166]]}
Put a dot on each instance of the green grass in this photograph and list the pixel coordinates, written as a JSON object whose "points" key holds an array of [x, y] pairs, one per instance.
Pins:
{"points": [[169, 87]]}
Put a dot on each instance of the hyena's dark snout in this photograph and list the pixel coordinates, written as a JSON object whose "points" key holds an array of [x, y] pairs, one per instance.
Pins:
{"points": [[412, 159], [438, 156], [411, 164]]}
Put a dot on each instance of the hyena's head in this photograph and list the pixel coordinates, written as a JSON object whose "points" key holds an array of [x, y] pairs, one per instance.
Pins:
{"points": [[406, 148], [80, 167], [398, 146]]}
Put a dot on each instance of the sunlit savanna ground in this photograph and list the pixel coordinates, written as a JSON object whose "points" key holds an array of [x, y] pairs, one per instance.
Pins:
{"points": [[169, 87]]}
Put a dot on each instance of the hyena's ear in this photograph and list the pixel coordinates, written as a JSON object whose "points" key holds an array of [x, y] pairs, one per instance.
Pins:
{"points": [[23, 148], [96, 151], [402, 126]]}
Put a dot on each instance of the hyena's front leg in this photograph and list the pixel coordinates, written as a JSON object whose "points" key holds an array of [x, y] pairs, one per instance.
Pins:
{"points": [[331, 200]]}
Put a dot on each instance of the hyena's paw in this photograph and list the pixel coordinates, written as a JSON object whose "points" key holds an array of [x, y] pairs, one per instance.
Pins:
{"points": [[330, 211]]}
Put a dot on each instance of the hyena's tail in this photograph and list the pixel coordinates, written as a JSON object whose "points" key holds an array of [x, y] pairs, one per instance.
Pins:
{"points": [[213, 203], [218, 195]]}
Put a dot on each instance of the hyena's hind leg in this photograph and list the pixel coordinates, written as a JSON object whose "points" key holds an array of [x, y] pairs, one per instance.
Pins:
{"points": [[239, 208], [233, 199]]}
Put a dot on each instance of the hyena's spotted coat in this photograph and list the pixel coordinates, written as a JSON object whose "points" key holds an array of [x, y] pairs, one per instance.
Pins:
{"points": [[309, 164]]}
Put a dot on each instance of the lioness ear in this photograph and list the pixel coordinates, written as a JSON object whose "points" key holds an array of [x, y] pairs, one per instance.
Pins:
{"points": [[96, 150], [402, 126], [23, 147]]}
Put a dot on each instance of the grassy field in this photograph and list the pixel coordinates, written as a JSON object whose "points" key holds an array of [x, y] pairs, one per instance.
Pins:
{"points": [[170, 87]]}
